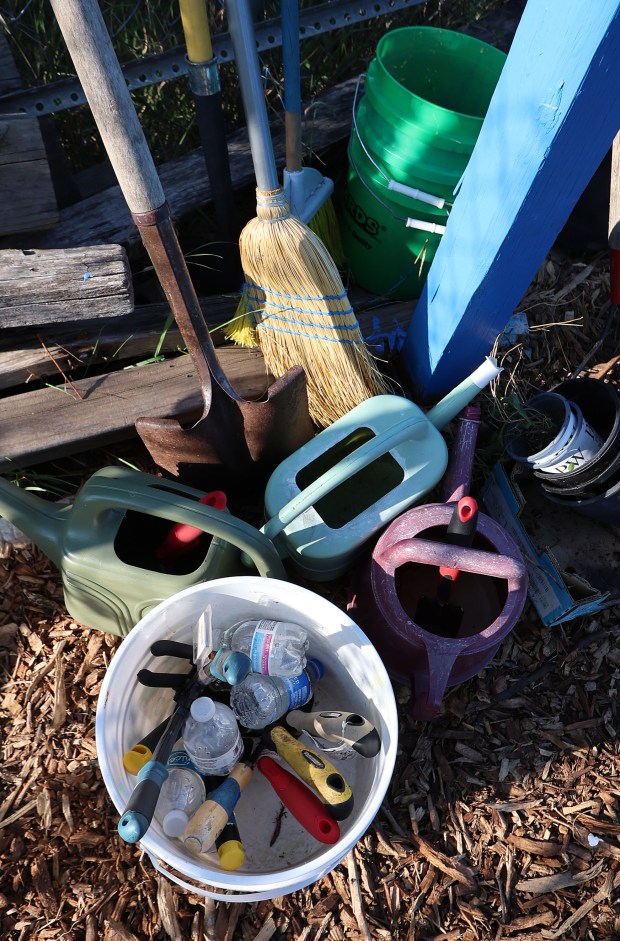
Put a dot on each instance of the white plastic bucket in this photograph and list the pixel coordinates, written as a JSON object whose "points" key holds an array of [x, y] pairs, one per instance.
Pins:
{"points": [[572, 449], [355, 680]]}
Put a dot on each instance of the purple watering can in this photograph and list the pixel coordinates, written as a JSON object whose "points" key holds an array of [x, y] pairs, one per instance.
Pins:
{"points": [[491, 589]]}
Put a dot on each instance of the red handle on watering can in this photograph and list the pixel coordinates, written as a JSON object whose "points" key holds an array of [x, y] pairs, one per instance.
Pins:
{"points": [[461, 531], [304, 805], [183, 538]]}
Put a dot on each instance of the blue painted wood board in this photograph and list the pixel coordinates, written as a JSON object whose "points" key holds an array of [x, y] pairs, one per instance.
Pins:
{"points": [[552, 119]]}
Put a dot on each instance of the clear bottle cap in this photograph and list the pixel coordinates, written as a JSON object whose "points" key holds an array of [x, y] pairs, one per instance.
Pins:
{"points": [[174, 823], [202, 709]]}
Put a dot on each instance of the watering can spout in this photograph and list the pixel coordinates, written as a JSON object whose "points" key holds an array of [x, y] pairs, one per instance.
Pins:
{"points": [[452, 403], [41, 521]]}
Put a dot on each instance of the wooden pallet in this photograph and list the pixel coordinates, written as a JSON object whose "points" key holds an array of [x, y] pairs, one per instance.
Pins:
{"points": [[26, 190]]}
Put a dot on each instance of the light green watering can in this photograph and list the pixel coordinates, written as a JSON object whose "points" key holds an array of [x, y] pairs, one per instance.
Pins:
{"points": [[325, 500], [105, 544]]}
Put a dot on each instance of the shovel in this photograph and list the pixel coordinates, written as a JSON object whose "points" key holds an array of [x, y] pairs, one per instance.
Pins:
{"points": [[243, 440]]}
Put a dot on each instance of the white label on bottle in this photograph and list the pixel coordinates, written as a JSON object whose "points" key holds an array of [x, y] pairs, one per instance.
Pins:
{"points": [[262, 641], [298, 689], [221, 764]]}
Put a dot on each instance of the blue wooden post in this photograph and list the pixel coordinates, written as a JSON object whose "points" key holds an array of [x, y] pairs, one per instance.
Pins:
{"points": [[552, 119]]}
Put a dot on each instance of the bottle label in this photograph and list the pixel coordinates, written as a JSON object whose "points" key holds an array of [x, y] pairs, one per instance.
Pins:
{"points": [[222, 764], [180, 759], [298, 689], [262, 642]]}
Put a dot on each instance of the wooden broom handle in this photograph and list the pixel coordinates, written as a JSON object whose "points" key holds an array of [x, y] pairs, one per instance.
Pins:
{"points": [[99, 72]]}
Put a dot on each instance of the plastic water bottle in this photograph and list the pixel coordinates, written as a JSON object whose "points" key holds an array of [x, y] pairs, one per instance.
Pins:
{"points": [[180, 796], [275, 648], [211, 737], [260, 700]]}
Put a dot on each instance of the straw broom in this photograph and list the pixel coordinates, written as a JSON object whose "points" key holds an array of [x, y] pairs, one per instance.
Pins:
{"points": [[294, 289]]}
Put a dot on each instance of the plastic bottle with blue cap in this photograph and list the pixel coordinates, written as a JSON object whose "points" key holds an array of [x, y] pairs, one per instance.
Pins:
{"points": [[275, 648], [260, 700]]}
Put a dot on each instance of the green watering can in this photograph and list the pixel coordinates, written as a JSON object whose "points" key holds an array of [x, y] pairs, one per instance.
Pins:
{"points": [[105, 544], [324, 501]]}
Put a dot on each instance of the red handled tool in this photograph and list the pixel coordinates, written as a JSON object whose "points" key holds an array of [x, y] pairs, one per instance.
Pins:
{"points": [[460, 532], [437, 614], [183, 538], [303, 803]]}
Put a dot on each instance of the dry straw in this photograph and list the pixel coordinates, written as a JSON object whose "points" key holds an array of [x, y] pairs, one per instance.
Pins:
{"points": [[294, 289]]}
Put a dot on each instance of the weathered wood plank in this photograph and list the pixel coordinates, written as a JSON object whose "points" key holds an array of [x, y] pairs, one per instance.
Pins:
{"points": [[105, 217], [26, 190], [47, 286], [27, 355], [54, 422], [27, 194], [48, 423], [9, 73]]}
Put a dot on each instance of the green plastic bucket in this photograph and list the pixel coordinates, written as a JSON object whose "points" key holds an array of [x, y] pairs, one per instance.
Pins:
{"points": [[426, 93]]}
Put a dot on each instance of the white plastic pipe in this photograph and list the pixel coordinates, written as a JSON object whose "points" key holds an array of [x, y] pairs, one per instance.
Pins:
{"points": [[432, 227], [413, 193]]}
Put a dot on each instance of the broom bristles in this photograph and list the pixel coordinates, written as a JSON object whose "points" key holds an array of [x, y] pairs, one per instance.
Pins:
{"points": [[303, 314], [242, 328], [324, 223]]}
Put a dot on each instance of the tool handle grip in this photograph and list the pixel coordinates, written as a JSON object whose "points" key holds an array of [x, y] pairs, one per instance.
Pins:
{"points": [[303, 804], [316, 770], [461, 530], [196, 30], [339, 727], [204, 827], [142, 751], [156, 680], [138, 813], [172, 648], [91, 50]]}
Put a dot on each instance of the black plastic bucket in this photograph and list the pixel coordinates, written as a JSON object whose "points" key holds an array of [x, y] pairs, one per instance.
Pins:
{"points": [[600, 404], [604, 507]]}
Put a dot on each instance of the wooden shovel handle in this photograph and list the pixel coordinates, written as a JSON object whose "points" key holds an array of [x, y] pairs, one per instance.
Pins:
{"points": [[99, 72]]}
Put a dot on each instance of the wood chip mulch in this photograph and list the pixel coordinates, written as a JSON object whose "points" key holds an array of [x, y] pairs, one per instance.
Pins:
{"points": [[502, 820]]}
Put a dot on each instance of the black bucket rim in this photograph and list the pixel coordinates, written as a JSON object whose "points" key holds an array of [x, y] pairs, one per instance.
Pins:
{"points": [[588, 479]]}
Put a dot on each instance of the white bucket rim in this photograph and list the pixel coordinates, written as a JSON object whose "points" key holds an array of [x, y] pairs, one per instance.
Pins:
{"points": [[299, 875]]}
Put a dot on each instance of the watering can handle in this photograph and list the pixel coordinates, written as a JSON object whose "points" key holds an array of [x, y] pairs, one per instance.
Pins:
{"points": [[413, 429], [179, 509], [478, 561]]}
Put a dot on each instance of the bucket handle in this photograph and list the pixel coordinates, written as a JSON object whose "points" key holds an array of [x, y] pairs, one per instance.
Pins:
{"points": [[410, 191], [407, 428], [257, 896], [434, 228]]}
